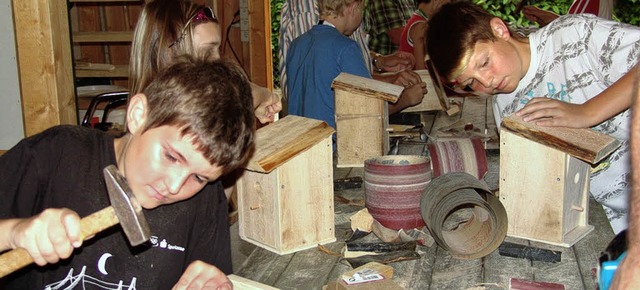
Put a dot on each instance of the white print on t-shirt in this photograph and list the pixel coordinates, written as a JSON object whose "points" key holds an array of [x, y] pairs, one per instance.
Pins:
{"points": [[83, 281], [164, 244]]}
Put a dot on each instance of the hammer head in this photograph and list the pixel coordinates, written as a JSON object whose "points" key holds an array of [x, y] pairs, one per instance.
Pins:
{"points": [[126, 207]]}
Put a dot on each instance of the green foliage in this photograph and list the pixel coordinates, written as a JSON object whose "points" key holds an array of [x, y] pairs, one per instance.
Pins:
{"points": [[276, 7], [627, 11]]}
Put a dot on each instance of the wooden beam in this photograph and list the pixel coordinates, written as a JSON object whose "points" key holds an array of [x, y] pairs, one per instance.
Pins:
{"points": [[44, 64], [259, 48]]}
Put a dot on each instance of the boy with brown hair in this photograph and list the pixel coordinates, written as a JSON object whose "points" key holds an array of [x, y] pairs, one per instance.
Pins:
{"points": [[575, 72], [190, 125]]}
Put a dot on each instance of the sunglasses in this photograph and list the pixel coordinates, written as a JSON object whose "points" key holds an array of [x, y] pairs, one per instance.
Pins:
{"points": [[203, 14]]}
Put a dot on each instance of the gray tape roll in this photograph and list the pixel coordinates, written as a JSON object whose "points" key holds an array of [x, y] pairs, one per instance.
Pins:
{"points": [[483, 219]]}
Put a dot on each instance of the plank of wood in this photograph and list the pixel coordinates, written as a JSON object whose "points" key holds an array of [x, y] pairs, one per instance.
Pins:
{"points": [[44, 64], [520, 284], [310, 268], [584, 144], [119, 71], [264, 266], [416, 274], [498, 269], [241, 283], [452, 273], [430, 101], [102, 36], [366, 86], [283, 140], [566, 273]]}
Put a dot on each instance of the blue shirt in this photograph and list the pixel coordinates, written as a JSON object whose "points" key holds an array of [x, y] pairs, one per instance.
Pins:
{"points": [[314, 59]]}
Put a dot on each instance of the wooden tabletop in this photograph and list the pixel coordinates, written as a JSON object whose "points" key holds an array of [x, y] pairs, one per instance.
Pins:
{"points": [[436, 268]]}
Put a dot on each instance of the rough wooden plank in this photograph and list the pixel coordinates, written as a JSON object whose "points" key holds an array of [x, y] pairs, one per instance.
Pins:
{"points": [[44, 61], [264, 266], [416, 274], [361, 124], [282, 140], [498, 269], [310, 268], [566, 272], [119, 71], [106, 36], [241, 283], [452, 273], [584, 144], [430, 101], [368, 87], [259, 45]]}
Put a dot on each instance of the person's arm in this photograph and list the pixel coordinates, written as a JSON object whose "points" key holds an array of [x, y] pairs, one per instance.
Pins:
{"points": [[417, 33], [610, 102], [412, 95], [535, 14], [48, 237], [395, 62], [627, 276], [266, 103]]}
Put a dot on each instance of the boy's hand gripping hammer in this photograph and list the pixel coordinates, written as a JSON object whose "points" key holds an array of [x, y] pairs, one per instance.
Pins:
{"points": [[124, 209]]}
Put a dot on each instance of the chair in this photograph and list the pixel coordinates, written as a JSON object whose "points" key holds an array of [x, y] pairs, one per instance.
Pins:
{"points": [[113, 100]]}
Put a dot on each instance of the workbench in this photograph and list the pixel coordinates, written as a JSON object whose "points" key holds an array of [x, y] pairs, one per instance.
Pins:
{"points": [[436, 269]]}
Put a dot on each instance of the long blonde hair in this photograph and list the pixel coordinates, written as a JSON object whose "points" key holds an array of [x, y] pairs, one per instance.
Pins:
{"points": [[158, 39]]}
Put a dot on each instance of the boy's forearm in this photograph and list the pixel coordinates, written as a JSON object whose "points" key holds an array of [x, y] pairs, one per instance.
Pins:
{"points": [[613, 100], [6, 228]]}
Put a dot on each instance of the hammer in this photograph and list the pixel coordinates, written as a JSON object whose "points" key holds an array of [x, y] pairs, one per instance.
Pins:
{"points": [[124, 209]]}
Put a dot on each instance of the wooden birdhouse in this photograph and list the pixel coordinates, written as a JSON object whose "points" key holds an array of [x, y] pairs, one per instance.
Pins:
{"points": [[362, 118], [544, 179], [285, 197]]}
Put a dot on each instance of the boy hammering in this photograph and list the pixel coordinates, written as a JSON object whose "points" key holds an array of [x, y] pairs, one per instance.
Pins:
{"points": [[179, 142], [575, 72]]}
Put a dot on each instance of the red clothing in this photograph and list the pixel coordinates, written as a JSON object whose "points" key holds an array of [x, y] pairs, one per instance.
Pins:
{"points": [[585, 6], [406, 43]]}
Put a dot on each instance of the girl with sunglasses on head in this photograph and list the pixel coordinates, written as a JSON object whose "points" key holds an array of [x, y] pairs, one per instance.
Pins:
{"points": [[170, 28]]}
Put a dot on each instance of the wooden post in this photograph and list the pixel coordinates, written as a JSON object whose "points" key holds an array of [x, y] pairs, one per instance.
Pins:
{"points": [[44, 64], [544, 179]]}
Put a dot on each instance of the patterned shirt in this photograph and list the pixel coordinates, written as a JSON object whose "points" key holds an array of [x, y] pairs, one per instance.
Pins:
{"points": [[381, 16], [573, 59]]}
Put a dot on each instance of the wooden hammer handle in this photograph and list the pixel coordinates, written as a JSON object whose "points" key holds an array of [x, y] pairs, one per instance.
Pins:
{"points": [[90, 225]]}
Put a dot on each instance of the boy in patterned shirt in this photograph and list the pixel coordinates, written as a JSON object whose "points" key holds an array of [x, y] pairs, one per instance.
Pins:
{"points": [[575, 72]]}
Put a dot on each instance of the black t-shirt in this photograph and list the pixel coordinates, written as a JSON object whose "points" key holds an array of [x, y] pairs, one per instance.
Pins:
{"points": [[62, 167]]}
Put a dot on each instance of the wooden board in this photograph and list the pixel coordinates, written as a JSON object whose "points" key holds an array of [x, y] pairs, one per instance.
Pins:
{"points": [[241, 283], [361, 124], [44, 64], [367, 87], [584, 144], [431, 101], [284, 139]]}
